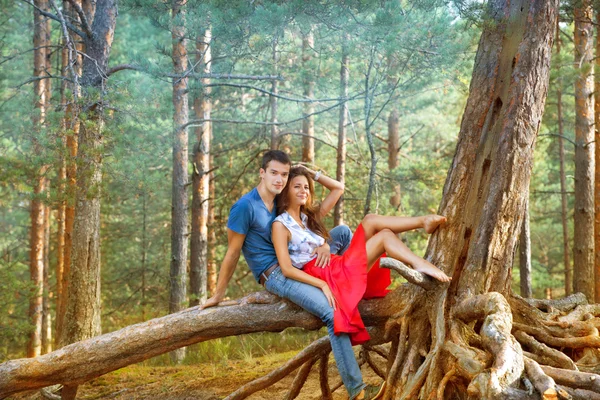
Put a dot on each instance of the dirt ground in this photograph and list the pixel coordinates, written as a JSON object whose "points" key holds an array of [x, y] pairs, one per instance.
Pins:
{"points": [[205, 381]]}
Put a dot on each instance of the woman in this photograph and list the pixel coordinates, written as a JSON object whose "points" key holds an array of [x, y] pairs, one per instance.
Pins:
{"points": [[298, 230]]}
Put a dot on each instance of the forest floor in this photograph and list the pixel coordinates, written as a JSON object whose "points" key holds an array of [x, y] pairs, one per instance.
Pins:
{"points": [[206, 381]]}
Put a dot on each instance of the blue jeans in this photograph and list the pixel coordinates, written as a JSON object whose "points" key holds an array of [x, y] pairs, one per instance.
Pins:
{"points": [[314, 301]]}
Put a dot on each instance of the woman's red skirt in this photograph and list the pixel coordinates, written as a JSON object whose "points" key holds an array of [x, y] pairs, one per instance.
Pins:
{"points": [[349, 282]]}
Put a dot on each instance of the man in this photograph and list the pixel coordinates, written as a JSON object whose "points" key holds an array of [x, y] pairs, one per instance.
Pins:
{"points": [[249, 231]]}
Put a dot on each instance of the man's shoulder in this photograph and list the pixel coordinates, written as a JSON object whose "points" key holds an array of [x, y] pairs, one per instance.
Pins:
{"points": [[247, 200]]}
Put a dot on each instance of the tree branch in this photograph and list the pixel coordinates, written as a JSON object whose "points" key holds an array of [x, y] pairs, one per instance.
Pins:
{"points": [[83, 18], [54, 17]]}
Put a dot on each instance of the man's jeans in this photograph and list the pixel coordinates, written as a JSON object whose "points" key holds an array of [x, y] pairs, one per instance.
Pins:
{"points": [[314, 301]]}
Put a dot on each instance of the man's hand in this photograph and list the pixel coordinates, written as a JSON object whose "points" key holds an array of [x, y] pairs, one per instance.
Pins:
{"points": [[213, 301], [323, 255]]}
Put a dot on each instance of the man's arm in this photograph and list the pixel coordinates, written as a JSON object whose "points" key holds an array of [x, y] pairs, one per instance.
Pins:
{"points": [[235, 242]]}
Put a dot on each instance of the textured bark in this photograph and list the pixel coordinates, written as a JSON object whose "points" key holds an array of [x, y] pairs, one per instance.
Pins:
{"points": [[82, 309], [308, 123], [563, 183], [597, 165], [273, 99], [393, 148], [201, 177], [338, 212], [179, 206], [525, 254], [41, 39], [46, 316], [212, 237], [583, 248], [70, 125]]}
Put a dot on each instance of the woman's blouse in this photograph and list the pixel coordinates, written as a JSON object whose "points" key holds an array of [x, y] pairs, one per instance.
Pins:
{"points": [[303, 241]]}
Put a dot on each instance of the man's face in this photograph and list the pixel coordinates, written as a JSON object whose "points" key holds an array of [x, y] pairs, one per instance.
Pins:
{"points": [[275, 176]]}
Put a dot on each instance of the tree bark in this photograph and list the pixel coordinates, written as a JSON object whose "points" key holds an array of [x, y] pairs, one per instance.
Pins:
{"points": [[393, 149], [583, 248], [597, 165], [563, 183], [273, 99], [46, 316], [338, 213], [82, 311], [201, 177], [179, 218], [308, 123], [525, 254], [212, 236], [38, 208]]}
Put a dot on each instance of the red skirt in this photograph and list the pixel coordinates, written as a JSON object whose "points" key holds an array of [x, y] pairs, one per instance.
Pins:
{"points": [[349, 282]]}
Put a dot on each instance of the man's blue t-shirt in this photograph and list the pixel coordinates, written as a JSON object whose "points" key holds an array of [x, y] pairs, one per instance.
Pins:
{"points": [[249, 216]]}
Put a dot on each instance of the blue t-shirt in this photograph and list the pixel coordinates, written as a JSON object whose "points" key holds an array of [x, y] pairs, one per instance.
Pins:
{"points": [[249, 216]]}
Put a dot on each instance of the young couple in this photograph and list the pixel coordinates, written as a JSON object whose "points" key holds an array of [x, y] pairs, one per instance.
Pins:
{"points": [[291, 253]]}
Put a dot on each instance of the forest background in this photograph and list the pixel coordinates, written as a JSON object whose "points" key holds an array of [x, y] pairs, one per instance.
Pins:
{"points": [[408, 64]]}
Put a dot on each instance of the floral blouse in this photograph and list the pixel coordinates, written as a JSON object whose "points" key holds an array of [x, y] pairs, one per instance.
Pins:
{"points": [[303, 241]]}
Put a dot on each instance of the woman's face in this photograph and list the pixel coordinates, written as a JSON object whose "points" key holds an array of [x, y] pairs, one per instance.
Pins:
{"points": [[299, 191]]}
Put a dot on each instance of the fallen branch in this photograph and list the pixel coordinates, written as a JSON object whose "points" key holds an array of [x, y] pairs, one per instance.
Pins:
{"points": [[542, 382], [574, 379]]}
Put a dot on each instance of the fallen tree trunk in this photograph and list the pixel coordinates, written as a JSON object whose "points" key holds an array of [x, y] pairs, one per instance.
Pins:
{"points": [[257, 312]]}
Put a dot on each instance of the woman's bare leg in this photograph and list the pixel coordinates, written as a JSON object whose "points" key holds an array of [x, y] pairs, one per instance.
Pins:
{"points": [[374, 223], [387, 241]]}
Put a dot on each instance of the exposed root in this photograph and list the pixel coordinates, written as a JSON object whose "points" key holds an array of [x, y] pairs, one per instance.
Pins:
{"points": [[449, 375], [300, 379], [495, 333], [582, 313], [544, 354], [316, 347], [542, 382], [323, 376], [372, 364], [574, 379], [581, 394], [565, 304], [398, 351], [412, 276]]}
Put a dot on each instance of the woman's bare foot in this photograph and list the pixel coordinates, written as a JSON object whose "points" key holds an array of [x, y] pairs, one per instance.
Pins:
{"points": [[431, 222], [428, 268]]}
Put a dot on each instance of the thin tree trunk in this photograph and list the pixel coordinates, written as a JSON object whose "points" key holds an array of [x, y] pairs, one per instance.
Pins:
{"points": [[393, 148], [308, 123], [38, 208], [273, 100], [597, 163], [179, 208], [368, 107], [583, 249], [563, 179], [525, 254], [144, 251], [46, 317], [201, 179], [212, 236], [71, 132], [338, 213]]}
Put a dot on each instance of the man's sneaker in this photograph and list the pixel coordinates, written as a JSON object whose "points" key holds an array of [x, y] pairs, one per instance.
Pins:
{"points": [[374, 392]]}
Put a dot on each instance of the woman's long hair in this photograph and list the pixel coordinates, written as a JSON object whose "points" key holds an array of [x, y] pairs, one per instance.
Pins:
{"points": [[311, 210]]}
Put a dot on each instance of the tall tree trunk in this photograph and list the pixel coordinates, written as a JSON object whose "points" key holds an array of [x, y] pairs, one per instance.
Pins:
{"points": [[212, 236], [563, 179], [525, 254], [583, 249], [201, 179], [46, 316], [393, 148], [597, 163], [308, 123], [367, 109], [82, 315], [70, 125], [273, 99], [179, 207], [338, 213], [38, 208], [144, 251]]}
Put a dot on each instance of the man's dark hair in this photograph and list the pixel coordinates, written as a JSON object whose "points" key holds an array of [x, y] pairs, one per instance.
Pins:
{"points": [[276, 155]]}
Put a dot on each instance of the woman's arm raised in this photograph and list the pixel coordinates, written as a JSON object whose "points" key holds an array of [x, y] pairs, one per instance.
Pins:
{"points": [[336, 189]]}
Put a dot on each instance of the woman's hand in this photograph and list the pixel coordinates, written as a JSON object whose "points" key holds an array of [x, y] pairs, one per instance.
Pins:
{"points": [[329, 295]]}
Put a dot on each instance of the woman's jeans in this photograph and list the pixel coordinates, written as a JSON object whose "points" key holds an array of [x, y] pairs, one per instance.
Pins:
{"points": [[314, 301]]}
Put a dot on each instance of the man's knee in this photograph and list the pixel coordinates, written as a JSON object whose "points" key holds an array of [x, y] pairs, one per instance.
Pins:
{"points": [[341, 236]]}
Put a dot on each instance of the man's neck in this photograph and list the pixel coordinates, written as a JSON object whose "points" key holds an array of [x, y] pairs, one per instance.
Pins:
{"points": [[267, 197]]}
